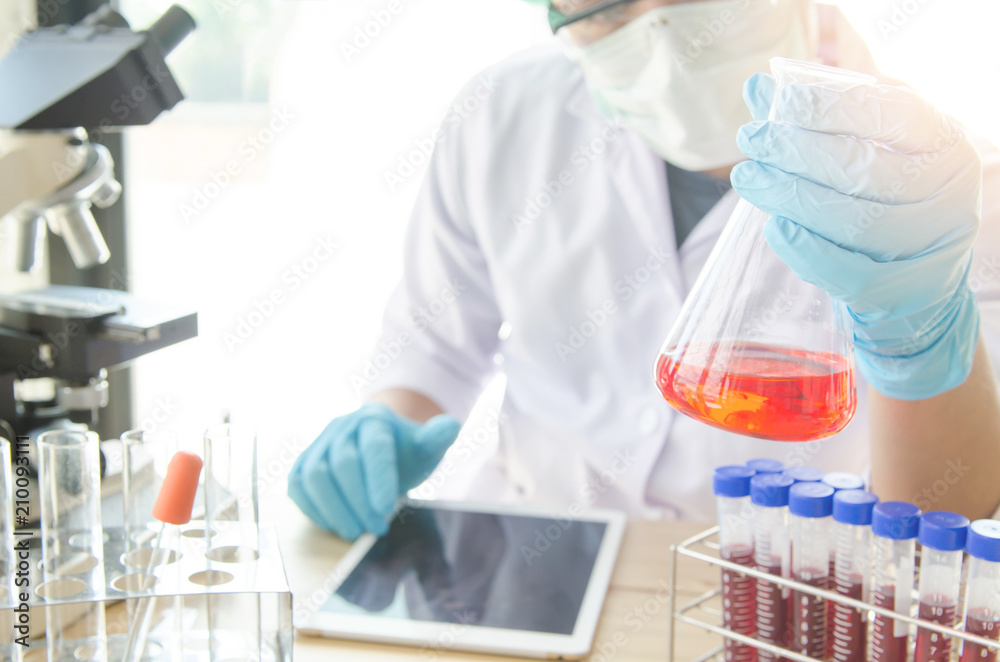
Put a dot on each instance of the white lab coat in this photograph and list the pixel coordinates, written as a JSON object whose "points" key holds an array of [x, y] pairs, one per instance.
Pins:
{"points": [[542, 245]]}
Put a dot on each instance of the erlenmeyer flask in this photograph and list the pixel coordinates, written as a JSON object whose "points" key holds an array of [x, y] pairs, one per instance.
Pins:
{"points": [[755, 350]]}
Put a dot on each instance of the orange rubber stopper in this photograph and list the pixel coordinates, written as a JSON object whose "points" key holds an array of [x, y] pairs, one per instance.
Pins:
{"points": [[176, 498]]}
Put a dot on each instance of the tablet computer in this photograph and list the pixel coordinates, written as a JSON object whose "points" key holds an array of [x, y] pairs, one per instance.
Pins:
{"points": [[490, 578]]}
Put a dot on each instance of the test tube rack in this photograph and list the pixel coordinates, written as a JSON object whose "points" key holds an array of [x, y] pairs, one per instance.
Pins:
{"points": [[206, 596], [704, 611]]}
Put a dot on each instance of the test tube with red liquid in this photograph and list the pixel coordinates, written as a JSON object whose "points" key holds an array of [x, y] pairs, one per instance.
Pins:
{"points": [[739, 592], [852, 519], [982, 593], [772, 554], [894, 526], [810, 506], [838, 480], [942, 539]]}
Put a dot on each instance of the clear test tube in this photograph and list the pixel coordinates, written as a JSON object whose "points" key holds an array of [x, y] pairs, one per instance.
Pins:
{"points": [[852, 520], [8, 557], [731, 485], [942, 538], [232, 537], [894, 527], [982, 592], [231, 507], [69, 481], [763, 465], [804, 474], [838, 480], [145, 457], [772, 554], [810, 506]]}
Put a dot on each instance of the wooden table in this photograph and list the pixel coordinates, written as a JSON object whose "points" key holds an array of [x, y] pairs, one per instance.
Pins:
{"points": [[634, 623]]}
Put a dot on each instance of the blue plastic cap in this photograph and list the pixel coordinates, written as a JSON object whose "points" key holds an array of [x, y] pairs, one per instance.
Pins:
{"points": [[763, 465], [984, 540], [805, 474], [841, 480], [854, 507], [732, 481], [770, 490], [944, 531], [810, 500], [896, 520]]}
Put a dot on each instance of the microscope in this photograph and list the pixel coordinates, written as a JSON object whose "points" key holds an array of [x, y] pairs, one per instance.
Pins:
{"points": [[58, 87]]}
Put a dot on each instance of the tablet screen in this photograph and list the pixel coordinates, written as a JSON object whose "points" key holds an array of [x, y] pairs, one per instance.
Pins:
{"points": [[467, 568]]}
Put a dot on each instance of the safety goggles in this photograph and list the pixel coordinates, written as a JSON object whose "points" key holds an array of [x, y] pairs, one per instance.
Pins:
{"points": [[604, 11]]}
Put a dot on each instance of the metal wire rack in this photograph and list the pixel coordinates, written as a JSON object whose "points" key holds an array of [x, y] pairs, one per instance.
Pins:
{"points": [[702, 613]]}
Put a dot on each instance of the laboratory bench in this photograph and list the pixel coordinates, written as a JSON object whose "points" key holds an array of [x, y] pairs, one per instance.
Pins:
{"points": [[635, 619]]}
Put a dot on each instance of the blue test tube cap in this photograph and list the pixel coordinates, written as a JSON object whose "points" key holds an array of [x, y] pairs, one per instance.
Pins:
{"points": [[810, 500], [943, 531], [770, 490], [732, 481], [763, 465], [854, 507], [805, 474], [896, 520], [984, 540], [841, 480]]}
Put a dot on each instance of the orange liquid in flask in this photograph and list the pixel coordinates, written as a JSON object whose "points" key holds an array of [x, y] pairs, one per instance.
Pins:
{"points": [[761, 391]]}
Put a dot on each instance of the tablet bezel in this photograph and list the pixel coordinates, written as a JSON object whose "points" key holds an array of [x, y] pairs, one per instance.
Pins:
{"points": [[436, 637]]}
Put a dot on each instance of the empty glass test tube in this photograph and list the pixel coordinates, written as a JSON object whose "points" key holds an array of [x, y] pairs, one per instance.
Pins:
{"points": [[894, 526], [772, 554], [942, 538], [731, 485], [232, 536], [145, 457], [69, 479], [852, 519], [810, 506], [982, 592], [231, 507]]}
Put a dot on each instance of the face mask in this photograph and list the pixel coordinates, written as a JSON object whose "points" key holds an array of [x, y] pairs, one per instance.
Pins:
{"points": [[675, 74]]}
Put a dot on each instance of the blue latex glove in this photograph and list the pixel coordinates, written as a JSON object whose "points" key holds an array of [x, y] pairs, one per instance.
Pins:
{"points": [[875, 198], [349, 479]]}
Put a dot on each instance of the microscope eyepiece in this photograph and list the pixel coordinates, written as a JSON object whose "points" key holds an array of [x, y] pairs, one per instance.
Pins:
{"points": [[171, 29]]}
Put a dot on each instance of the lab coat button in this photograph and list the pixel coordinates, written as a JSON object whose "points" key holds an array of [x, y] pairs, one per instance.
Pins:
{"points": [[649, 420]]}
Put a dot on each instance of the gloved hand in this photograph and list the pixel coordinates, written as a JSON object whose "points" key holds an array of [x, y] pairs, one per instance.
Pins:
{"points": [[876, 198], [349, 479]]}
